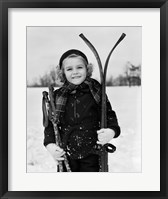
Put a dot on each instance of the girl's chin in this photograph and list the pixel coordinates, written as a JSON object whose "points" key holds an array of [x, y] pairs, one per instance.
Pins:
{"points": [[76, 82]]}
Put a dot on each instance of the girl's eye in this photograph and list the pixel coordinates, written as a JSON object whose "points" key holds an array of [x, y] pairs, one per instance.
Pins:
{"points": [[79, 67], [69, 69]]}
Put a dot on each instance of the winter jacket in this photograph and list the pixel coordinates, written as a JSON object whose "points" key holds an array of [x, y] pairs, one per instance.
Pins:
{"points": [[79, 123]]}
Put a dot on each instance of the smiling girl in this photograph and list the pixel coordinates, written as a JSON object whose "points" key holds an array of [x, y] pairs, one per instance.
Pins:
{"points": [[79, 103]]}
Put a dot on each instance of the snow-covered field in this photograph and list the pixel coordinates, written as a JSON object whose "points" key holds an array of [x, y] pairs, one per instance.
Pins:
{"points": [[127, 104]]}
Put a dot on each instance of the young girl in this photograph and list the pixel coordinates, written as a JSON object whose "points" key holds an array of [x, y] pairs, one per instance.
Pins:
{"points": [[79, 104]]}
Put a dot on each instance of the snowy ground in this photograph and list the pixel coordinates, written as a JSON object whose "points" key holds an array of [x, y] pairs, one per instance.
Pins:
{"points": [[127, 158]]}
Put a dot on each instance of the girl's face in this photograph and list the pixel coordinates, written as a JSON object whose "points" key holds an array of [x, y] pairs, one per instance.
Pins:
{"points": [[75, 70]]}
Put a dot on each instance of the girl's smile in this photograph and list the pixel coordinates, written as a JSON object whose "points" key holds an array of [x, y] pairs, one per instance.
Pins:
{"points": [[75, 70]]}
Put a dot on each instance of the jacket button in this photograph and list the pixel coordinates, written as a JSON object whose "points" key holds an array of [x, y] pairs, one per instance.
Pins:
{"points": [[77, 115]]}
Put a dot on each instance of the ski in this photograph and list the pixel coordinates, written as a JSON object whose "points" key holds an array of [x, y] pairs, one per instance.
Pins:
{"points": [[107, 147]]}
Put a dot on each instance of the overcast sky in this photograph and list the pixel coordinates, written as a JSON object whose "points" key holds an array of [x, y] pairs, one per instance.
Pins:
{"points": [[45, 45]]}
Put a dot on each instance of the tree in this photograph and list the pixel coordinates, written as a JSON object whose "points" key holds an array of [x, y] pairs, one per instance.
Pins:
{"points": [[45, 80], [133, 74], [109, 82]]}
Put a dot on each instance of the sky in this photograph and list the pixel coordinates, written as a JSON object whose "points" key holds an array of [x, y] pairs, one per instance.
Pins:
{"points": [[45, 45]]}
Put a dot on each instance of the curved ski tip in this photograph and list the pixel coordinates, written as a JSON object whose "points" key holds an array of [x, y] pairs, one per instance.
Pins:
{"points": [[81, 35], [123, 35]]}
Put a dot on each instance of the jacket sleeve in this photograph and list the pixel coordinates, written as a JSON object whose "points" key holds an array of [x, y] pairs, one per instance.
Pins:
{"points": [[112, 121]]}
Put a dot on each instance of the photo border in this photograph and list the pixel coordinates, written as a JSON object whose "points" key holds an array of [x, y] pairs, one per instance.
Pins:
{"points": [[4, 5]]}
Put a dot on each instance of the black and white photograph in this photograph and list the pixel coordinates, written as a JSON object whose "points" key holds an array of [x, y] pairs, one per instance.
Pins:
{"points": [[83, 99]]}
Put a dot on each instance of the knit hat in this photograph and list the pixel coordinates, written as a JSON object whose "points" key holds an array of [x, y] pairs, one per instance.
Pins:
{"points": [[70, 52]]}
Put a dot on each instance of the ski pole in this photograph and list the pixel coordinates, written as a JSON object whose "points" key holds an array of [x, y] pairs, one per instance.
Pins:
{"points": [[52, 117], [107, 147]]}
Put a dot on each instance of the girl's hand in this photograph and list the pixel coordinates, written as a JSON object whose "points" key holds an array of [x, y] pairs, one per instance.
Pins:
{"points": [[105, 136], [55, 151]]}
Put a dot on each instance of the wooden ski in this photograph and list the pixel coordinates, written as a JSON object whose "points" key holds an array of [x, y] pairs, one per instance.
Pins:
{"points": [[107, 147]]}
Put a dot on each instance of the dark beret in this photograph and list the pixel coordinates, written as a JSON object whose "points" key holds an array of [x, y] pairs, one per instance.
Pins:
{"points": [[70, 52]]}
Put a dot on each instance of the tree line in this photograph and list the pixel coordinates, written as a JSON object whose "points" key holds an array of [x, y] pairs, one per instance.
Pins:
{"points": [[131, 77]]}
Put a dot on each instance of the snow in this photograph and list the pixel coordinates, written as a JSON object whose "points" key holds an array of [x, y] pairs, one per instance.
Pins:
{"points": [[126, 101]]}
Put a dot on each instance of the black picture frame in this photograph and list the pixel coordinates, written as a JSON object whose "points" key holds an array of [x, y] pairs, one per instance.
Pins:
{"points": [[4, 5]]}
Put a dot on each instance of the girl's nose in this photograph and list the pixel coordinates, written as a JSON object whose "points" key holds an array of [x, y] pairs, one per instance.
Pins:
{"points": [[74, 71]]}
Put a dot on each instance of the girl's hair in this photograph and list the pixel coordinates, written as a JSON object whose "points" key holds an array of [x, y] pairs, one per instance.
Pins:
{"points": [[60, 75]]}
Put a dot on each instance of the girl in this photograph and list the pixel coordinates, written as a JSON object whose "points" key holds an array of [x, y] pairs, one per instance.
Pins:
{"points": [[78, 103]]}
